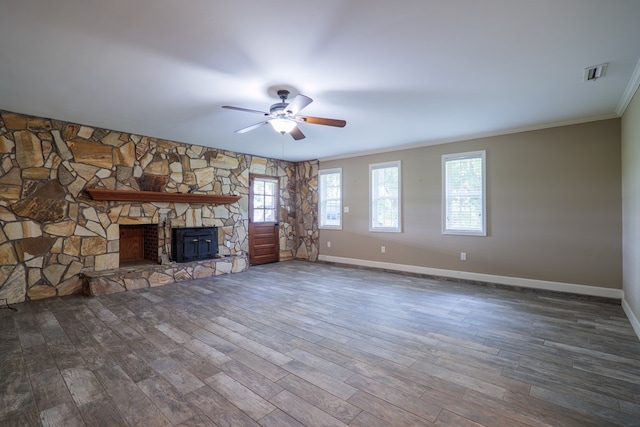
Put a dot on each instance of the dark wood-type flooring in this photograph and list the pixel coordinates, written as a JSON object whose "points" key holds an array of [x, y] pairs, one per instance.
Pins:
{"points": [[297, 343]]}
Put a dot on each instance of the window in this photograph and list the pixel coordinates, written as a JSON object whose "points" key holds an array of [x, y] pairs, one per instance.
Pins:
{"points": [[384, 208], [463, 180], [265, 200], [330, 204]]}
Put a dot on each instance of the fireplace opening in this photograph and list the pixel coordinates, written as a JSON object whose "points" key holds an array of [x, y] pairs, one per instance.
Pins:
{"points": [[194, 243], [138, 244]]}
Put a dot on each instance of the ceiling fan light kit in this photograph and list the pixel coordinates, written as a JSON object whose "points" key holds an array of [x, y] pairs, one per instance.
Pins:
{"points": [[282, 125], [284, 118]]}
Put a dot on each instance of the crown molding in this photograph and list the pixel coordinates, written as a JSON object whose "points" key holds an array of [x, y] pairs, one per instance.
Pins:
{"points": [[471, 137], [631, 90]]}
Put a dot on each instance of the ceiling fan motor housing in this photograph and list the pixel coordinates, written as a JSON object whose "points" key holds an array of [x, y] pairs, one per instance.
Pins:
{"points": [[278, 109]]}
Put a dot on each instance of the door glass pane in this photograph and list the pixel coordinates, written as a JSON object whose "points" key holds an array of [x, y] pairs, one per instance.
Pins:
{"points": [[269, 215], [270, 188], [258, 187], [258, 215], [269, 202]]}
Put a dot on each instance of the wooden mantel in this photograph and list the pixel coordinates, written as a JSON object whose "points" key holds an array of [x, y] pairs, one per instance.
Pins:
{"points": [[159, 196]]}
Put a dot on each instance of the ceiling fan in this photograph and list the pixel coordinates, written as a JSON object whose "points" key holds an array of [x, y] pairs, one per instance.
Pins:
{"points": [[284, 118]]}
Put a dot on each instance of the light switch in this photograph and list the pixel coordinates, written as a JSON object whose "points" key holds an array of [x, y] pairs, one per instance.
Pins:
{"points": [[346, 209]]}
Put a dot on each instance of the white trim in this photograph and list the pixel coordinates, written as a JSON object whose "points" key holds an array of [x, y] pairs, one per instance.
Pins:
{"points": [[635, 323], [572, 288], [385, 165], [630, 91], [327, 172], [482, 154]]}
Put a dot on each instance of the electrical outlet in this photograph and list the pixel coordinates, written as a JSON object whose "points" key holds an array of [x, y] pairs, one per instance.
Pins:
{"points": [[383, 249], [463, 256], [328, 244]]}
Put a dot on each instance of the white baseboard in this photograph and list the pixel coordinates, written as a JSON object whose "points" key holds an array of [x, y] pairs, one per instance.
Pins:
{"points": [[635, 323], [595, 291]]}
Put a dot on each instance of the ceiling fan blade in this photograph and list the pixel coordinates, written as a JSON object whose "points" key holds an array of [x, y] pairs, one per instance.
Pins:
{"points": [[322, 121], [298, 103], [246, 110], [252, 127], [296, 133]]}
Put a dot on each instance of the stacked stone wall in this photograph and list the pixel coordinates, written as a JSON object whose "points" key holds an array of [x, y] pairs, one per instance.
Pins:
{"points": [[51, 230], [307, 232]]}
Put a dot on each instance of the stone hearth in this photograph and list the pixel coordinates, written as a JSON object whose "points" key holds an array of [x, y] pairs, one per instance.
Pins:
{"points": [[145, 276]]}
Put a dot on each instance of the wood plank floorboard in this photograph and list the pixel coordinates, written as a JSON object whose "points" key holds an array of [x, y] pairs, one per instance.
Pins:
{"points": [[312, 344]]}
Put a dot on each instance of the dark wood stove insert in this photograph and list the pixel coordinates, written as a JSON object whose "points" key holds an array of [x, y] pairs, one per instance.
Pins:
{"points": [[194, 243]]}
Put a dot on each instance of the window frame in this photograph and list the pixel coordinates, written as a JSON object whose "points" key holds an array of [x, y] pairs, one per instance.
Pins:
{"points": [[322, 193], [373, 199], [482, 155]]}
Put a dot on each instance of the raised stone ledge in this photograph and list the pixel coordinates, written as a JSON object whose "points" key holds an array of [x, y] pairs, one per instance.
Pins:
{"points": [[144, 276]]}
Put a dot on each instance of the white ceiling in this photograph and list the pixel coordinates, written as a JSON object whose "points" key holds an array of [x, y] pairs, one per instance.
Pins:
{"points": [[402, 73]]}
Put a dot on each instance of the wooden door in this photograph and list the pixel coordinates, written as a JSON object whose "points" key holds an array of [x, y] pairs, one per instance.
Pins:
{"points": [[131, 243], [264, 227]]}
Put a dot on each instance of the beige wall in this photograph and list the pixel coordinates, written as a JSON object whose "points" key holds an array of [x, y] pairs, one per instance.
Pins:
{"points": [[631, 208], [553, 208]]}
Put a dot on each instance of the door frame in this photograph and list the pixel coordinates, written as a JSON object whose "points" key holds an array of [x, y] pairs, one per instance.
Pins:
{"points": [[275, 224]]}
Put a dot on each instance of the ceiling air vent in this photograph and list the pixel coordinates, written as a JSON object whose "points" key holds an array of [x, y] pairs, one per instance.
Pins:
{"points": [[591, 74]]}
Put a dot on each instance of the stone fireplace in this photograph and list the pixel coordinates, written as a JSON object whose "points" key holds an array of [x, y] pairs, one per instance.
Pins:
{"points": [[57, 239], [144, 255]]}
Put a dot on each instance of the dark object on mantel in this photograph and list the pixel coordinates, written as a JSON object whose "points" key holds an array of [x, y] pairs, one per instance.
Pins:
{"points": [[152, 182], [194, 243], [158, 196]]}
